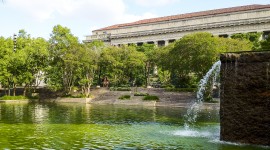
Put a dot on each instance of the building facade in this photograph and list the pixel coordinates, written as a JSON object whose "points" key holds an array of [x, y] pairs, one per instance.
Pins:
{"points": [[163, 30]]}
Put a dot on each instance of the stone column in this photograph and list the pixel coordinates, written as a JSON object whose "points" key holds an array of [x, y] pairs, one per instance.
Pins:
{"points": [[166, 42], [245, 98]]}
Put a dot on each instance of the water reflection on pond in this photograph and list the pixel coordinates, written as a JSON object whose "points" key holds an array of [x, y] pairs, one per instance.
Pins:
{"points": [[85, 126]]}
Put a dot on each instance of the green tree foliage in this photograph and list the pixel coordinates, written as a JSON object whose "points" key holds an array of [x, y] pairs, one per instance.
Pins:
{"points": [[150, 63], [190, 57], [64, 58], [194, 53], [68, 63], [88, 68], [6, 50], [265, 44], [233, 45], [23, 66], [253, 37], [122, 64]]}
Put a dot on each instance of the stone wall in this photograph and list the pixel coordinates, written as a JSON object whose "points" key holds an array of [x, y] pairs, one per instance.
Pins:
{"points": [[245, 97]]}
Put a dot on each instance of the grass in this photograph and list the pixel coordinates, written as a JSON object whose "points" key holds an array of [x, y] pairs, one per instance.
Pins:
{"points": [[151, 98], [120, 89], [74, 96], [13, 97], [124, 97], [180, 89], [141, 94]]}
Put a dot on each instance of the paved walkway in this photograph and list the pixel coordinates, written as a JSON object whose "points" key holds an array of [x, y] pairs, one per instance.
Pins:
{"points": [[173, 99]]}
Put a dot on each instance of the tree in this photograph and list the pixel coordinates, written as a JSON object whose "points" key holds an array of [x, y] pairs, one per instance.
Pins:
{"points": [[88, 66], [194, 53], [265, 44], [21, 67], [64, 61], [253, 37], [162, 59], [6, 49], [122, 64], [150, 63], [37, 61], [97, 47], [190, 57]]}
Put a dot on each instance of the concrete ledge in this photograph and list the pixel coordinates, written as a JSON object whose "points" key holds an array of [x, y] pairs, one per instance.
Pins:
{"points": [[70, 100], [15, 101]]}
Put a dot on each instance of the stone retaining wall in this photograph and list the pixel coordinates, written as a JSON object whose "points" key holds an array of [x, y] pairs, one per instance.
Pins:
{"points": [[245, 97]]}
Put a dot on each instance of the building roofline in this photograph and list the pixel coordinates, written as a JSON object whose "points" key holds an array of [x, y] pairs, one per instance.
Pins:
{"points": [[188, 15]]}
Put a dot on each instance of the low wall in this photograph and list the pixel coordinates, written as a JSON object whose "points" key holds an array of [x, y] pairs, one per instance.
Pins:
{"points": [[245, 97], [70, 100]]}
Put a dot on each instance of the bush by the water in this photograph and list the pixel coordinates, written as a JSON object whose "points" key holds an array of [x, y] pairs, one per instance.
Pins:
{"points": [[180, 89], [150, 97], [120, 89], [141, 94], [124, 97], [76, 96], [13, 97]]}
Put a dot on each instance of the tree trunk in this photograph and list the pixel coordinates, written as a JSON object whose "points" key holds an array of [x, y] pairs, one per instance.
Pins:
{"points": [[88, 90], [14, 89], [5, 89], [8, 91], [25, 89]]}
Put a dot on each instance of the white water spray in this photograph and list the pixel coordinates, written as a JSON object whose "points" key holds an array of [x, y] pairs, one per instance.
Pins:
{"points": [[192, 112]]}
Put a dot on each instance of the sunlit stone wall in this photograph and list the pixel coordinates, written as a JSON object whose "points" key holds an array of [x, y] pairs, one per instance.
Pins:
{"points": [[245, 97]]}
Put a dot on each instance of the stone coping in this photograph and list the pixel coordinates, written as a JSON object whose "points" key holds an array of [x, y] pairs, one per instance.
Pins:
{"points": [[15, 101], [135, 102], [246, 56]]}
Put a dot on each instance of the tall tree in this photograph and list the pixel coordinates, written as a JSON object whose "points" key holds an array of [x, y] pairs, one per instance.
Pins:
{"points": [[194, 54], [89, 55], [6, 50], [265, 44], [150, 62], [64, 61], [253, 37], [122, 64]]}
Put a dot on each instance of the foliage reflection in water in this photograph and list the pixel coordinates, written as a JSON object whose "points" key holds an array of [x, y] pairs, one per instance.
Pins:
{"points": [[80, 126]]}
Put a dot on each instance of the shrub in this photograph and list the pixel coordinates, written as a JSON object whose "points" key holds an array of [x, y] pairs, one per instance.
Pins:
{"points": [[124, 97], [150, 97], [13, 97], [120, 89], [180, 89], [141, 94], [74, 96]]}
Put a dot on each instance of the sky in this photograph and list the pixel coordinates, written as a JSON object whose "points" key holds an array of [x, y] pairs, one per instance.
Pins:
{"points": [[38, 17]]}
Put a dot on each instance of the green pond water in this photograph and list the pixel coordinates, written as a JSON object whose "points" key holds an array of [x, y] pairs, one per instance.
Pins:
{"points": [[85, 126]]}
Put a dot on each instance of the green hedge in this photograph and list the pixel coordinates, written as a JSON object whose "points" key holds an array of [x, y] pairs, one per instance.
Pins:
{"points": [[141, 94], [74, 96], [124, 97], [120, 88], [150, 98], [181, 89], [13, 97]]}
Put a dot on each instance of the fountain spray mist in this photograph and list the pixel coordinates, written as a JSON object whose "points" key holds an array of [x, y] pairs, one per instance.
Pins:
{"points": [[192, 112]]}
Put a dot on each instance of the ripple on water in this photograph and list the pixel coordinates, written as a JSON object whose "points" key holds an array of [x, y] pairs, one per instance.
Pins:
{"points": [[193, 133]]}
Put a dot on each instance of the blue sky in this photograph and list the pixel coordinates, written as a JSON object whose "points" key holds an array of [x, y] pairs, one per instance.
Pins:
{"points": [[38, 17]]}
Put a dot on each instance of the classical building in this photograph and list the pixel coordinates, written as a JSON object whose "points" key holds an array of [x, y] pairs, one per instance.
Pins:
{"points": [[163, 30]]}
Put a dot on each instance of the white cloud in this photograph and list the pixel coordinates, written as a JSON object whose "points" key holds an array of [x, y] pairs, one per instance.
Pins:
{"points": [[81, 16], [131, 18], [153, 3], [43, 10], [99, 12]]}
